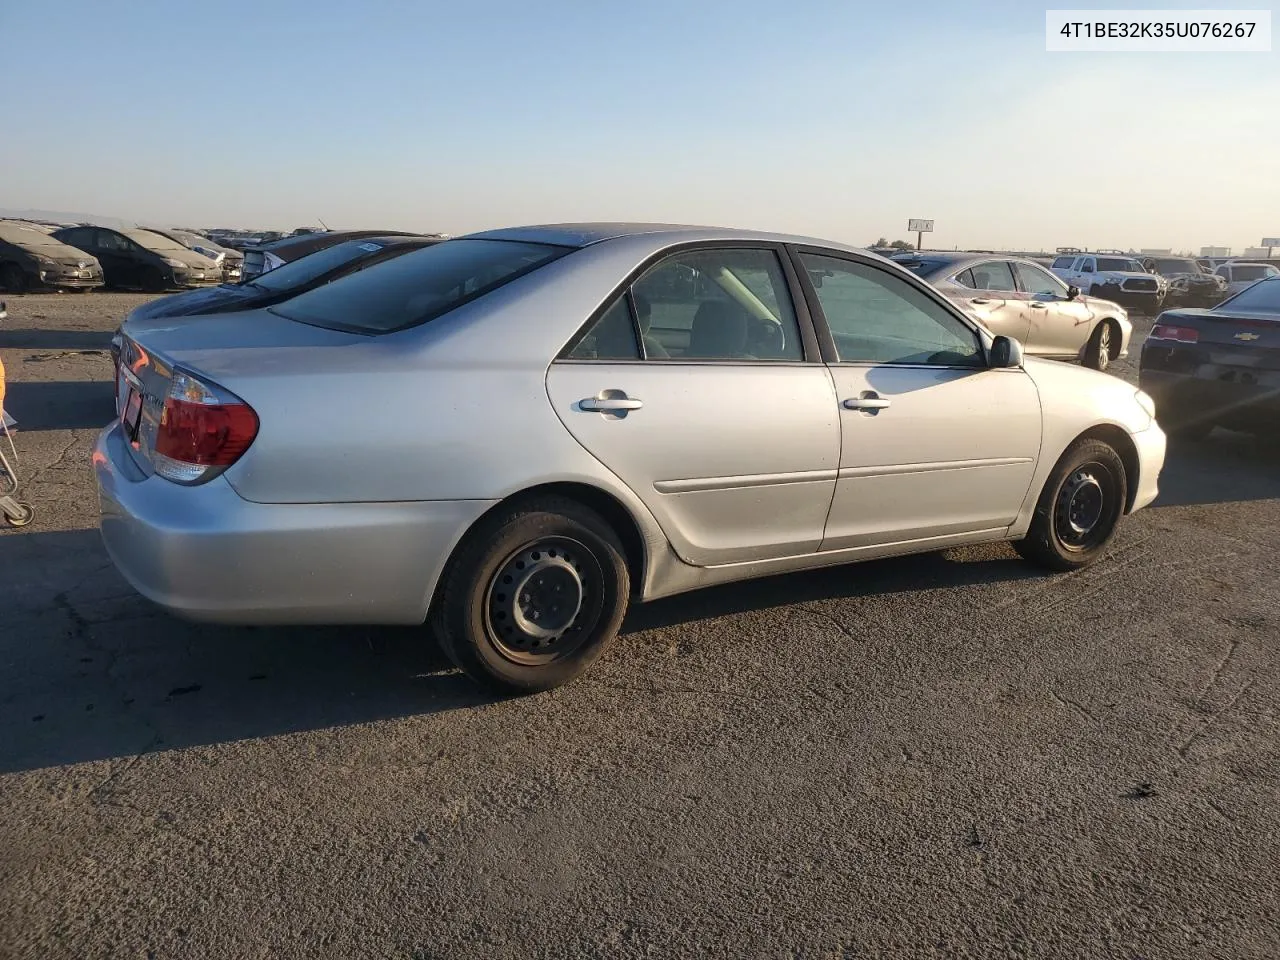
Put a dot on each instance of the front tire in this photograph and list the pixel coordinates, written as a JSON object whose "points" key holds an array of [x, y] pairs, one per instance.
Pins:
{"points": [[12, 278], [1097, 353], [1079, 508], [533, 596]]}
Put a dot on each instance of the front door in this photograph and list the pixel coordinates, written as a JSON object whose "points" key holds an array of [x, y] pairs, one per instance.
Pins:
{"points": [[118, 263], [934, 444], [1060, 326], [695, 388]]}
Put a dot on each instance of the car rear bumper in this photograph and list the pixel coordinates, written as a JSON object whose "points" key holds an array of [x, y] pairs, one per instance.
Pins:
{"points": [[206, 553], [1231, 397]]}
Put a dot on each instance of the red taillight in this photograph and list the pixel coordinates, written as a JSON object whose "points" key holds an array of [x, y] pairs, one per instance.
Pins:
{"points": [[1167, 331], [200, 430]]}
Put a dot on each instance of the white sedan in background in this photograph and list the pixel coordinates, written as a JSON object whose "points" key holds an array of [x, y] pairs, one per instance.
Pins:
{"points": [[1019, 298]]}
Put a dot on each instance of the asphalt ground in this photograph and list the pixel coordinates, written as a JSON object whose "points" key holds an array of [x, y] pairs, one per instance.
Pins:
{"points": [[947, 755]]}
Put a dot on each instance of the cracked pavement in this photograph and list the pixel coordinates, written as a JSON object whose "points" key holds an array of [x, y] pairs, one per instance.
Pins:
{"points": [[948, 755]]}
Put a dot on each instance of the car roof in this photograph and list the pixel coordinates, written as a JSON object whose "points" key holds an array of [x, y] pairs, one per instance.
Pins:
{"points": [[585, 234]]}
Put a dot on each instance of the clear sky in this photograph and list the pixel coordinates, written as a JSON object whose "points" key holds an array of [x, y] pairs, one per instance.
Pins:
{"points": [[838, 119]]}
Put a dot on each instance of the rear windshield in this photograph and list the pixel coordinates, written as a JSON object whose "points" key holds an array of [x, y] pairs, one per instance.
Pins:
{"points": [[1263, 296], [922, 267], [1252, 271], [419, 286], [302, 271]]}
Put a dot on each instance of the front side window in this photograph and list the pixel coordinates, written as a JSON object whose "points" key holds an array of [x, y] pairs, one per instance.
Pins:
{"points": [[1086, 266], [1038, 282], [419, 286], [993, 275], [706, 304], [875, 317]]}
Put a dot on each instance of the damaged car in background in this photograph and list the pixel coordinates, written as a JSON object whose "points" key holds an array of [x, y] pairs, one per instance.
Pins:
{"points": [[142, 259], [1018, 298], [31, 258], [226, 258], [1190, 285]]}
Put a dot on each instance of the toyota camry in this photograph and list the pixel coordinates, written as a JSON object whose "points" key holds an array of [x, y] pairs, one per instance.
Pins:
{"points": [[510, 436]]}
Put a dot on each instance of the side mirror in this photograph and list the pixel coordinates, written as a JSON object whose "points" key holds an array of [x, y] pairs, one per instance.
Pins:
{"points": [[1072, 292], [1005, 353]]}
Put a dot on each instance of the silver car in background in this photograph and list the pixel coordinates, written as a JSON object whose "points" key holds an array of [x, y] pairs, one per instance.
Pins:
{"points": [[1019, 298], [511, 435]]}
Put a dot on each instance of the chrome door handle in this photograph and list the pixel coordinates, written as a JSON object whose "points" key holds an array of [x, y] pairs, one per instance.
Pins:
{"points": [[979, 300], [610, 401], [866, 403], [1038, 306]]}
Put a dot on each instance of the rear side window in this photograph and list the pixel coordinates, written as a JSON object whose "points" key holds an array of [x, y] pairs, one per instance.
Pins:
{"points": [[419, 286], [1063, 263]]}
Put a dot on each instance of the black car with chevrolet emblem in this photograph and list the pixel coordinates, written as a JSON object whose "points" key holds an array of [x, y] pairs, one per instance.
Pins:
{"points": [[142, 259], [1217, 367], [31, 258]]}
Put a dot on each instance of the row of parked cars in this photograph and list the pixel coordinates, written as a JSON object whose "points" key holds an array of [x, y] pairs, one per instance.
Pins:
{"points": [[1151, 284], [36, 256]]}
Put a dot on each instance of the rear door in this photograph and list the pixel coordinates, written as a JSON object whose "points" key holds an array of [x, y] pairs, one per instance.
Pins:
{"points": [[997, 301], [934, 444], [701, 388]]}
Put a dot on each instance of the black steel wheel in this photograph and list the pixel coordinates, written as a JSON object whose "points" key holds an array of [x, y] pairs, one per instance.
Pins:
{"points": [[532, 596], [1079, 508]]}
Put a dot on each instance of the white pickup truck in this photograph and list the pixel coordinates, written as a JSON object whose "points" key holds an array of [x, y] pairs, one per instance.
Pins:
{"points": [[1121, 280]]}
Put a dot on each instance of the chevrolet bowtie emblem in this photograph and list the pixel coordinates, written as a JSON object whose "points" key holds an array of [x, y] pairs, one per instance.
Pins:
{"points": [[1246, 336]]}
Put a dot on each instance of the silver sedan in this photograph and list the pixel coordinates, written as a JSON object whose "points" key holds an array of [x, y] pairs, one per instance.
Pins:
{"points": [[509, 436], [1019, 298]]}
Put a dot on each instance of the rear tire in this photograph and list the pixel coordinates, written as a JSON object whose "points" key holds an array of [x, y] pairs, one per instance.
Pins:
{"points": [[1079, 508], [12, 279], [532, 596], [1097, 353]]}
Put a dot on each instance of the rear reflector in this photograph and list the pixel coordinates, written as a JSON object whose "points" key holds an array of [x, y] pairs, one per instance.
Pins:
{"points": [[202, 431], [1165, 331]]}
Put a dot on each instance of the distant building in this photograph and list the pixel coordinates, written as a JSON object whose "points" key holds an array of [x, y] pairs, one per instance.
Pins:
{"points": [[1255, 252], [1153, 252], [1215, 251]]}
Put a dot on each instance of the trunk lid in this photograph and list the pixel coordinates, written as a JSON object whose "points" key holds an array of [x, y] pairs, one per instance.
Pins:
{"points": [[224, 349], [1231, 338]]}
